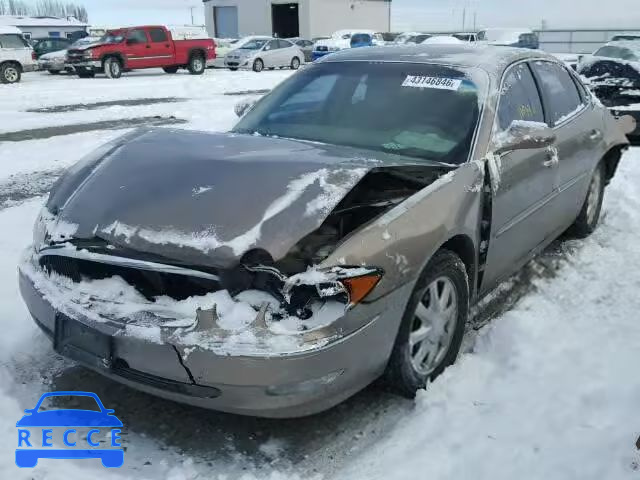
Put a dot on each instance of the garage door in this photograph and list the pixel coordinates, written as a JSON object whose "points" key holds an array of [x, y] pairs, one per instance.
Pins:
{"points": [[226, 21]]}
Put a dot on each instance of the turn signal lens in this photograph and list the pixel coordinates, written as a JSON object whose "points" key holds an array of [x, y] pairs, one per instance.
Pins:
{"points": [[360, 287]]}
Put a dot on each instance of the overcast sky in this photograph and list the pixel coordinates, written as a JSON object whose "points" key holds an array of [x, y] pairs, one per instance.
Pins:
{"points": [[408, 14]]}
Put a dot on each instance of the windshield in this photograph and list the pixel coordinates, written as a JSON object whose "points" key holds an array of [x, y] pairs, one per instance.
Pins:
{"points": [[422, 111], [616, 52], [112, 37], [253, 45]]}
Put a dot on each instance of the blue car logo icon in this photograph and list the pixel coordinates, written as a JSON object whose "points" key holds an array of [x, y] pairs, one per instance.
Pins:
{"points": [[35, 433]]}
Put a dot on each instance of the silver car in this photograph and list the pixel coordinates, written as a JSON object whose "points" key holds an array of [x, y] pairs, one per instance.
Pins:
{"points": [[262, 53], [338, 234]]}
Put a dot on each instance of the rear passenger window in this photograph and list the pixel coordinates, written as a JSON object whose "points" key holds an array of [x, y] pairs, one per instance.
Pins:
{"points": [[284, 44], [12, 41], [157, 35], [519, 98], [562, 98]]}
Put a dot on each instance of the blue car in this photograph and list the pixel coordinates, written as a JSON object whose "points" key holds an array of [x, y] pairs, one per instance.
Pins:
{"points": [[48, 419], [361, 40]]}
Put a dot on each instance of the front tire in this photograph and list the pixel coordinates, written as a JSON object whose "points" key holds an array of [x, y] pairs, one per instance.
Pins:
{"points": [[233, 69], [10, 73], [113, 68], [170, 70], [432, 326], [86, 74], [258, 65], [295, 63], [54, 72], [587, 220], [197, 65]]}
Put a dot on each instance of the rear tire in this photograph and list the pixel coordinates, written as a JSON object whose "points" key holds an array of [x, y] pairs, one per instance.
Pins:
{"points": [[86, 74], [587, 220], [233, 69], [170, 70], [258, 65], [10, 73], [112, 68], [295, 63], [54, 72], [197, 64], [428, 325]]}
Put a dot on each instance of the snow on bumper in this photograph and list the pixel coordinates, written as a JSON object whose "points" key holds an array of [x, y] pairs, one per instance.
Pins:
{"points": [[243, 370]]}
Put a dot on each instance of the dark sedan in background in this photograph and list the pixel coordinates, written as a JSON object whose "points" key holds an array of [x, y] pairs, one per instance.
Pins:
{"points": [[337, 235], [613, 73]]}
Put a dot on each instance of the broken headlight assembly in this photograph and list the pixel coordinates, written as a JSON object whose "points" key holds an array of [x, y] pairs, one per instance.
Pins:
{"points": [[298, 293]]}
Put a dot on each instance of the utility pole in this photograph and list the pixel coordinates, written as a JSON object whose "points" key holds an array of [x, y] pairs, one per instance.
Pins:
{"points": [[475, 23], [192, 22], [464, 18]]}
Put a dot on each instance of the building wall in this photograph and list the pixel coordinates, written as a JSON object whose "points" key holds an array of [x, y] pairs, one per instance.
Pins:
{"points": [[328, 16], [42, 32], [317, 17]]}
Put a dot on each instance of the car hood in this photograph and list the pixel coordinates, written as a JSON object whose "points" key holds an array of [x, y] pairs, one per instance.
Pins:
{"points": [[204, 198]]}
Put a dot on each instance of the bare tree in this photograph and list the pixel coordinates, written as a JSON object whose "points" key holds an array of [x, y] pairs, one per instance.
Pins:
{"points": [[45, 8]]}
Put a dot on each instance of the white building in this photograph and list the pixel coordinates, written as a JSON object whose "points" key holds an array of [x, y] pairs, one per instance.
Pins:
{"points": [[42, 27], [293, 18]]}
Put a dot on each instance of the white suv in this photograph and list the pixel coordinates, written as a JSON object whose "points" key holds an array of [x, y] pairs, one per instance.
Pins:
{"points": [[16, 56]]}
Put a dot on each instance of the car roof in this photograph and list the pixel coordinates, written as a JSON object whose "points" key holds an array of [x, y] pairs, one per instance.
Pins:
{"points": [[633, 45], [493, 59]]}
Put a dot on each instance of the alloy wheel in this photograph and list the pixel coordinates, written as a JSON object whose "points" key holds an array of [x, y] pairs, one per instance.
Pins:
{"points": [[433, 326], [11, 74]]}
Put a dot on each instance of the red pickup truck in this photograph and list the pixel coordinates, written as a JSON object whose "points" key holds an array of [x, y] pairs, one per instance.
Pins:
{"points": [[135, 48]]}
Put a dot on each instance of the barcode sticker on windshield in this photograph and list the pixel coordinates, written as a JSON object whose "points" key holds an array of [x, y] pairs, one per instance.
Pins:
{"points": [[432, 82]]}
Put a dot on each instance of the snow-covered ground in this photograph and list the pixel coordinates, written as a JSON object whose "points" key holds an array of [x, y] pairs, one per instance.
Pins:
{"points": [[548, 389]]}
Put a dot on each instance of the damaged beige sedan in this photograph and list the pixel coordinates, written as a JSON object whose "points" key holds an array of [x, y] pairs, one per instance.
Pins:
{"points": [[337, 235]]}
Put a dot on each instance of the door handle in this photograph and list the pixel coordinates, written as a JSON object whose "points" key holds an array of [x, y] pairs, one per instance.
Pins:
{"points": [[552, 159], [148, 46], [595, 135]]}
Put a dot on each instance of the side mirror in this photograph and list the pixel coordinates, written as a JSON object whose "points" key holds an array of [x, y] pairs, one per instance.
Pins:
{"points": [[243, 106], [522, 135]]}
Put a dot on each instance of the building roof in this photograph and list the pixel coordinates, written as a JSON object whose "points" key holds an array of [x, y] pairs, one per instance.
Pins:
{"points": [[491, 58], [26, 21]]}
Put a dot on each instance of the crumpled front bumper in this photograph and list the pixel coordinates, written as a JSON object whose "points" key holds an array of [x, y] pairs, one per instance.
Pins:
{"points": [[288, 385]]}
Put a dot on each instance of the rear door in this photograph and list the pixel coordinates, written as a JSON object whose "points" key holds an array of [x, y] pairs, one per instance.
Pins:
{"points": [[138, 49], [524, 183], [270, 54], [579, 135], [161, 51], [286, 53], [14, 47]]}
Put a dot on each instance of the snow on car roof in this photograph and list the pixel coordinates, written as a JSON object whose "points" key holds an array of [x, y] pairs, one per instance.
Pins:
{"points": [[632, 45], [10, 30]]}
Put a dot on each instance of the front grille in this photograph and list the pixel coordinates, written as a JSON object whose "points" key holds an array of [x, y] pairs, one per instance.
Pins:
{"points": [[233, 64], [149, 283]]}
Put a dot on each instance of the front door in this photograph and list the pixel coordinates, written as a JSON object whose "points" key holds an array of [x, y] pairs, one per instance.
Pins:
{"points": [[138, 48], [524, 183]]}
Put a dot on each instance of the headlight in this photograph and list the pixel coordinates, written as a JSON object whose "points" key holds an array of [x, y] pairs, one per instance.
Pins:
{"points": [[40, 229], [348, 285], [88, 54]]}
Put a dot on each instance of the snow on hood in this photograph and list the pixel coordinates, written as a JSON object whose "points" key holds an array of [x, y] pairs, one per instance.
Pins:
{"points": [[54, 55], [206, 198]]}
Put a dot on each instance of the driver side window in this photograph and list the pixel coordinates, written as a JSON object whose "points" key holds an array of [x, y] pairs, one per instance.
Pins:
{"points": [[519, 98], [137, 36]]}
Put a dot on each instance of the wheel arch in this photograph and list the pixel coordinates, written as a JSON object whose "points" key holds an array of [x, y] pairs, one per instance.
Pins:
{"points": [[611, 160], [197, 51], [117, 55], [463, 246], [12, 62]]}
